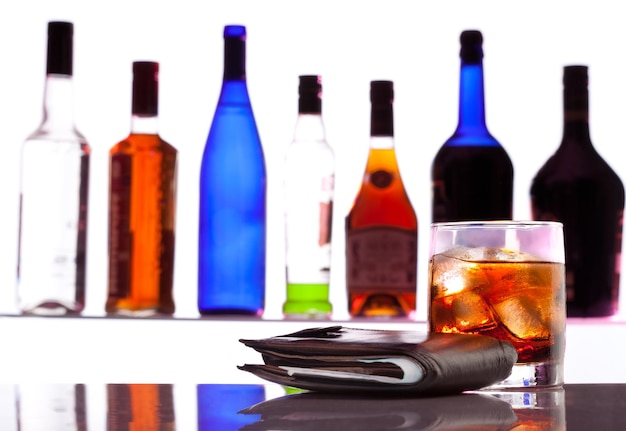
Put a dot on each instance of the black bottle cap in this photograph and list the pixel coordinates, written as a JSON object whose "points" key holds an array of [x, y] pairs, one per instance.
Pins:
{"points": [[310, 94], [381, 96], [145, 88], [381, 92], [575, 76], [235, 52], [471, 46], [60, 48]]}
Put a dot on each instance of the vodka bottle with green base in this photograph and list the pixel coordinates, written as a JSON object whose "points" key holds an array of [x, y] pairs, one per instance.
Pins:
{"points": [[308, 186]]}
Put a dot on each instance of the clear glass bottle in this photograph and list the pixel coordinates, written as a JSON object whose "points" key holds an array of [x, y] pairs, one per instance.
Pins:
{"points": [[577, 187], [472, 175], [309, 187], [142, 208], [381, 227], [54, 178], [232, 232]]}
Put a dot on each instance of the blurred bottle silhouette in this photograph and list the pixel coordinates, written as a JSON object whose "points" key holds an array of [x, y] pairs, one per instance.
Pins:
{"points": [[472, 175], [140, 407], [142, 208], [55, 407], [577, 187], [381, 227], [53, 194], [219, 406], [309, 187], [232, 234]]}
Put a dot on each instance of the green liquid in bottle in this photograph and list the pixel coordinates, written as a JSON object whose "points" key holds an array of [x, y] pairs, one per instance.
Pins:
{"points": [[307, 301]]}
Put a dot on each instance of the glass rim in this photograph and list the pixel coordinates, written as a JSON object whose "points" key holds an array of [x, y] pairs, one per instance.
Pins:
{"points": [[480, 224]]}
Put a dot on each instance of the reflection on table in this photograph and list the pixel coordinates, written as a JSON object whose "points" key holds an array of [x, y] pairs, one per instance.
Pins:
{"points": [[140, 407], [471, 411], [247, 407]]}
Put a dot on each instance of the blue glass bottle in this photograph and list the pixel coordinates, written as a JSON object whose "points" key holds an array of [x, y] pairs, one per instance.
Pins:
{"points": [[232, 234], [472, 175]]}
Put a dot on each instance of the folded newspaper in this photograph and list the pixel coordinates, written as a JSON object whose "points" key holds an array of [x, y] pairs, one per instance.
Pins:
{"points": [[339, 359]]}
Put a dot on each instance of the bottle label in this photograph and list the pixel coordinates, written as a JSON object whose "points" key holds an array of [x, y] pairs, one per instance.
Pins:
{"points": [[381, 257], [326, 209], [326, 216], [381, 179], [120, 242]]}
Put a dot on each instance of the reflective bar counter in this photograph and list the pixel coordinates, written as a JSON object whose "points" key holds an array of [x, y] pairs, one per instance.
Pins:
{"points": [[98, 373], [226, 407]]}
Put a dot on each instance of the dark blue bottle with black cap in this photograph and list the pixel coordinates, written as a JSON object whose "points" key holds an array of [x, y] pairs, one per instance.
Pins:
{"points": [[472, 174]]}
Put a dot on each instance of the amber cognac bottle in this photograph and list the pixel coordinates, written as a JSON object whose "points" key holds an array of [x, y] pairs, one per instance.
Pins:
{"points": [[142, 204], [381, 227]]}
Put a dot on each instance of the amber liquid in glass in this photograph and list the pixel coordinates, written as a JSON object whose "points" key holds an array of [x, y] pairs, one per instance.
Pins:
{"points": [[520, 302], [141, 222], [381, 246]]}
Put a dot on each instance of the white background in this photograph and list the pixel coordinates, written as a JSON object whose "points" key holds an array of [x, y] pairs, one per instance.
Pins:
{"points": [[415, 44]]}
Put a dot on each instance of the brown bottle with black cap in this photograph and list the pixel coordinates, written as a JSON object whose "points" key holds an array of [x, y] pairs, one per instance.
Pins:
{"points": [[142, 208], [577, 187], [381, 227]]}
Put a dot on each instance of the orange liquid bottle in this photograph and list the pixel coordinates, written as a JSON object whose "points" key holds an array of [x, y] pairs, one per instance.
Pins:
{"points": [[142, 203], [139, 407], [381, 228]]}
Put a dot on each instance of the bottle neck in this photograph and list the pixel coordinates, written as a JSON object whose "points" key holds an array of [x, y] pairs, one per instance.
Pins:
{"points": [[309, 127], [145, 101], [309, 103], [144, 124], [472, 99], [58, 107], [381, 126], [576, 128], [381, 120], [576, 116], [234, 59], [234, 93], [382, 143]]}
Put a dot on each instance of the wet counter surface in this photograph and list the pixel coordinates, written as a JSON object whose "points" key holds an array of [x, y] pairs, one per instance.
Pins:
{"points": [[225, 407]]}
